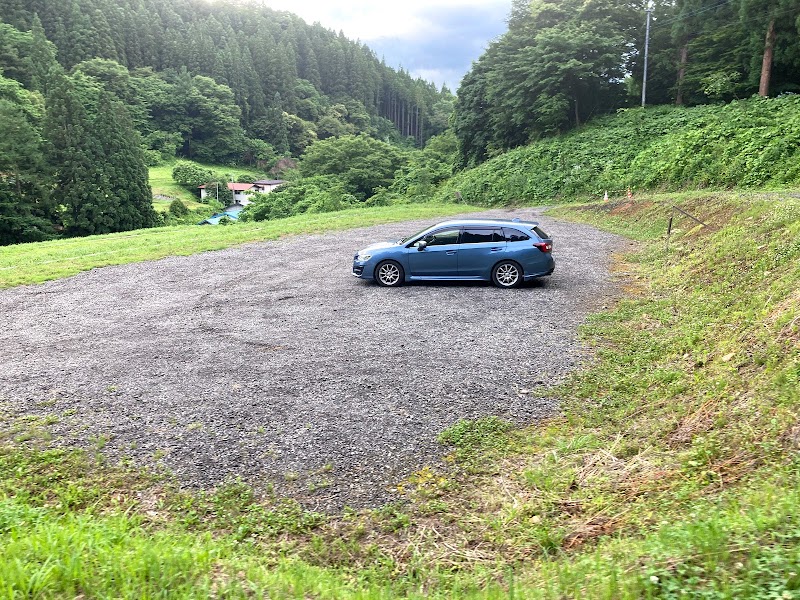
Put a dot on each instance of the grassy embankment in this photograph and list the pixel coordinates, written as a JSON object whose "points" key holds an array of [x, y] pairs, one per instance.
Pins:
{"points": [[37, 262], [747, 144], [674, 470], [165, 190]]}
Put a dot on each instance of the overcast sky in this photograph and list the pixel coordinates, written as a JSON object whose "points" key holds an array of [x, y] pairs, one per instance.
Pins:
{"points": [[433, 39]]}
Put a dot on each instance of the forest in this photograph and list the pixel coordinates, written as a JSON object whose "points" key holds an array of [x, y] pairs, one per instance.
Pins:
{"points": [[563, 63], [218, 83], [93, 92]]}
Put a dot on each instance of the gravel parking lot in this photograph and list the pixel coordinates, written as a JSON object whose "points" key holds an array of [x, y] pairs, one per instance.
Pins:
{"points": [[270, 362]]}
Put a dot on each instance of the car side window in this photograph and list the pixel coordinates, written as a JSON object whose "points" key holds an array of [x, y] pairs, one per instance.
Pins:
{"points": [[515, 235], [442, 237], [480, 236]]}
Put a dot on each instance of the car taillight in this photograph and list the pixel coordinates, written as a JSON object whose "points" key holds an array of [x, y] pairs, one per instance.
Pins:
{"points": [[544, 246]]}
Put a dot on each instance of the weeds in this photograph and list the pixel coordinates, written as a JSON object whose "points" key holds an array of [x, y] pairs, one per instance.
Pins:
{"points": [[673, 470]]}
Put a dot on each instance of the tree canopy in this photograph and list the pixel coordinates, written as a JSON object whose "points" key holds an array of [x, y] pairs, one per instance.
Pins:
{"points": [[270, 65], [561, 63], [92, 91]]}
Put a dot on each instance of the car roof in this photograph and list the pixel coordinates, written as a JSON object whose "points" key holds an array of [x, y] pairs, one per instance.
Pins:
{"points": [[489, 222]]}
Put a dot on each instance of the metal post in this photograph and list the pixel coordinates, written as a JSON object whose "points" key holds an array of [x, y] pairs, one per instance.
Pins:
{"points": [[646, 49], [669, 228]]}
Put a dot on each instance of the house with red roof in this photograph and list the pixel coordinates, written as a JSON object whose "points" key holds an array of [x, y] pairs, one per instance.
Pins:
{"points": [[242, 191]]}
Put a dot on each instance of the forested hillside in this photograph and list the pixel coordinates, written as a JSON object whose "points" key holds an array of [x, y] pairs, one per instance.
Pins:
{"points": [[562, 63], [93, 91], [273, 63]]}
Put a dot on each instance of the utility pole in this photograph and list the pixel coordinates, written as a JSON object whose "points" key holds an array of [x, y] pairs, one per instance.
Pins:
{"points": [[649, 11]]}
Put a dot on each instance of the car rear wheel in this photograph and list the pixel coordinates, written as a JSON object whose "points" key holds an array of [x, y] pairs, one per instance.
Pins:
{"points": [[507, 274], [389, 274]]}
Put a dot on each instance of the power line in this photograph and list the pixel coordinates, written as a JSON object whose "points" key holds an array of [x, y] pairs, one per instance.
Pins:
{"points": [[740, 21], [694, 12]]}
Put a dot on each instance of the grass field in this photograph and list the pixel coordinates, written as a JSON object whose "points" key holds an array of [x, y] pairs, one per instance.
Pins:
{"points": [[163, 185], [42, 261], [673, 470]]}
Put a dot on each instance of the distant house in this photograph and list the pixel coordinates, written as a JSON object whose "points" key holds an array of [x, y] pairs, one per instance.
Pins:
{"points": [[241, 191], [265, 186]]}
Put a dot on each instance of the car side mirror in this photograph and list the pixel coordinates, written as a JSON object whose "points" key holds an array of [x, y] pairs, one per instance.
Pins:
{"points": [[422, 245]]}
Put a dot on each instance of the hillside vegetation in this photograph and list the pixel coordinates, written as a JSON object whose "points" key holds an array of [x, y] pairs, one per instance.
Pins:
{"points": [[562, 63], [748, 143], [674, 469]]}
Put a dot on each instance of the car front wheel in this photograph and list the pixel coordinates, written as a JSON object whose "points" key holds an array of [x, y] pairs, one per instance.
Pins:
{"points": [[507, 274], [389, 274]]}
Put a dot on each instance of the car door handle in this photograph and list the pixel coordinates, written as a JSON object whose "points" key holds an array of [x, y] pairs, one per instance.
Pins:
{"points": [[496, 249], [451, 252]]}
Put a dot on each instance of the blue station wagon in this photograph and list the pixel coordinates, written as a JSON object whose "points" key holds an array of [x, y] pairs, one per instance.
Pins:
{"points": [[501, 251]]}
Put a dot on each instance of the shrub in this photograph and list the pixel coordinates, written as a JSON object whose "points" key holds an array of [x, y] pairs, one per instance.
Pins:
{"points": [[190, 175], [747, 143], [178, 208], [323, 193]]}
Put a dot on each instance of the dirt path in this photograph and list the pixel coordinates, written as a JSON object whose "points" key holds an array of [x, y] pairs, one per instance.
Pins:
{"points": [[272, 363]]}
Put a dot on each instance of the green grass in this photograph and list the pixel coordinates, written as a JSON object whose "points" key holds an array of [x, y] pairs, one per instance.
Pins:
{"points": [[163, 185], [673, 470], [37, 262]]}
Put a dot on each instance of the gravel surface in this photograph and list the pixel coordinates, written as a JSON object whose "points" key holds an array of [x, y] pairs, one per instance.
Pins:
{"points": [[270, 362]]}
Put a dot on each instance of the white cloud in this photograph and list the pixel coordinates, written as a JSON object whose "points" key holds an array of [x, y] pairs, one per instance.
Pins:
{"points": [[436, 40], [369, 20]]}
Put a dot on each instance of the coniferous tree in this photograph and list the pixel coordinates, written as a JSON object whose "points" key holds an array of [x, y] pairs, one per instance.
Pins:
{"points": [[72, 151], [124, 171], [24, 211], [42, 59]]}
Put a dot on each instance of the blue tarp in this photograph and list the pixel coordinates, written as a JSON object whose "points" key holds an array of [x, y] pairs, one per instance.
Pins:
{"points": [[216, 218]]}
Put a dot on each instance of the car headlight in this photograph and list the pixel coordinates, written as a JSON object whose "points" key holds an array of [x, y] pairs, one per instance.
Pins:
{"points": [[364, 257]]}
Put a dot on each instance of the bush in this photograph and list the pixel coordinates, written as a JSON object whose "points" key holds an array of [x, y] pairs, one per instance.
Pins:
{"points": [[153, 158], [178, 208], [190, 175], [324, 193]]}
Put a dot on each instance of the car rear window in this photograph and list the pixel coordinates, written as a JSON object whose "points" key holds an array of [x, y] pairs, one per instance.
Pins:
{"points": [[515, 235]]}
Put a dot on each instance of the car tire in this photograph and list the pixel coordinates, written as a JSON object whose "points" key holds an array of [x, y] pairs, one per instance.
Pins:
{"points": [[507, 274], [389, 273]]}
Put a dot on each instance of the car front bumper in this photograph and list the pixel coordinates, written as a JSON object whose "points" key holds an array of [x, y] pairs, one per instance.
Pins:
{"points": [[360, 269]]}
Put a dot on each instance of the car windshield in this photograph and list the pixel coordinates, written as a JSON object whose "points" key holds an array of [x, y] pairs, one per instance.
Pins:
{"points": [[411, 237]]}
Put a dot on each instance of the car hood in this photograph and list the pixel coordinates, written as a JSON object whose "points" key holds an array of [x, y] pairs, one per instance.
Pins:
{"points": [[378, 246]]}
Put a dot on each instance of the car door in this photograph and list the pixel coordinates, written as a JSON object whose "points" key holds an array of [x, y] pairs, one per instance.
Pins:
{"points": [[479, 249], [438, 257]]}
